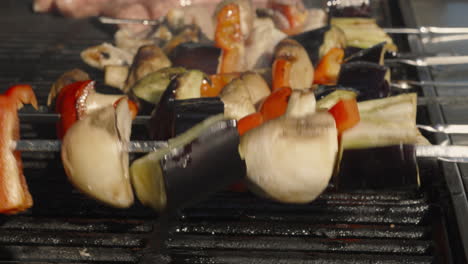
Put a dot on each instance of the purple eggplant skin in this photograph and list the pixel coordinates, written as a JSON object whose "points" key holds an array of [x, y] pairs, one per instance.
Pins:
{"points": [[172, 117], [311, 41], [381, 168], [373, 54], [196, 56], [365, 77], [360, 10], [190, 112], [323, 90], [208, 164], [161, 123]]}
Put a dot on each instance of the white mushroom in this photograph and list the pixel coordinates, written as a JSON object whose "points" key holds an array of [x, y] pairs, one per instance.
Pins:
{"points": [[95, 158], [291, 159]]}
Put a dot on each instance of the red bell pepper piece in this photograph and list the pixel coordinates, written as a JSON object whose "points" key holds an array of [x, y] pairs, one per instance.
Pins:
{"points": [[71, 104], [14, 193], [346, 114], [66, 105], [276, 104], [329, 67]]}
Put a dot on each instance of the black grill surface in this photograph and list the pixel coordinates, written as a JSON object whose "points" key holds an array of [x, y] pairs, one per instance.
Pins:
{"points": [[66, 227]]}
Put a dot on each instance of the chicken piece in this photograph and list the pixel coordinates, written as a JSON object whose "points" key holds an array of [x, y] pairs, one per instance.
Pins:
{"points": [[141, 9], [43, 5], [81, 8], [261, 44]]}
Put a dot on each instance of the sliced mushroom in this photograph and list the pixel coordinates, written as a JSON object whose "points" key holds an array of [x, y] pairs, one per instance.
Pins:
{"points": [[291, 159], [256, 86], [64, 80], [149, 58], [301, 103], [236, 99], [301, 71], [116, 75], [95, 158]]}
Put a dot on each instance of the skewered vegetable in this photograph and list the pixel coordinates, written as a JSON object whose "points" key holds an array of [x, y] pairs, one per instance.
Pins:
{"points": [[329, 67], [384, 122], [196, 56], [369, 79], [79, 99], [374, 54], [291, 159], [14, 193], [188, 169], [387, 167], [151, 87], [354, 27], [95, 157], [292, 67], [301, 103], [65, 79], [236, 99], [149, 59], [346, 114], [318, 42]]}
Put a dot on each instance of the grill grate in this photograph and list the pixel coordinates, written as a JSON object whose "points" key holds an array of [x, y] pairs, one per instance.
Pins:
{"points": [[66, 227]]}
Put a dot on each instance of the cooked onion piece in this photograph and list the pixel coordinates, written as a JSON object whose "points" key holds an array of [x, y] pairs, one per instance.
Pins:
{"points": [[291, 159], [95, 158]]}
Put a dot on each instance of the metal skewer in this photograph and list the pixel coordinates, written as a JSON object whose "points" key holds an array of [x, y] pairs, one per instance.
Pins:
{"points": [[118, 21], [408, 84], [431, 61], [428, 30], [38, 145], [447, 153]]}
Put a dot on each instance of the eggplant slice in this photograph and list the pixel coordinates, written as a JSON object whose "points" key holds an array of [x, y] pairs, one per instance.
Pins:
{"points": [[369, 79], [380, 168], [374, 54], [319, 41], [188, 170], [196, 56]]}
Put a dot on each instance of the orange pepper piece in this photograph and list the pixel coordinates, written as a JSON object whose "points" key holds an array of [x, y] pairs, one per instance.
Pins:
{"points": [[228, 37], [329, 67], [218, 81], [276, 104], [249, 122], [281, 71], [346, 114]]}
